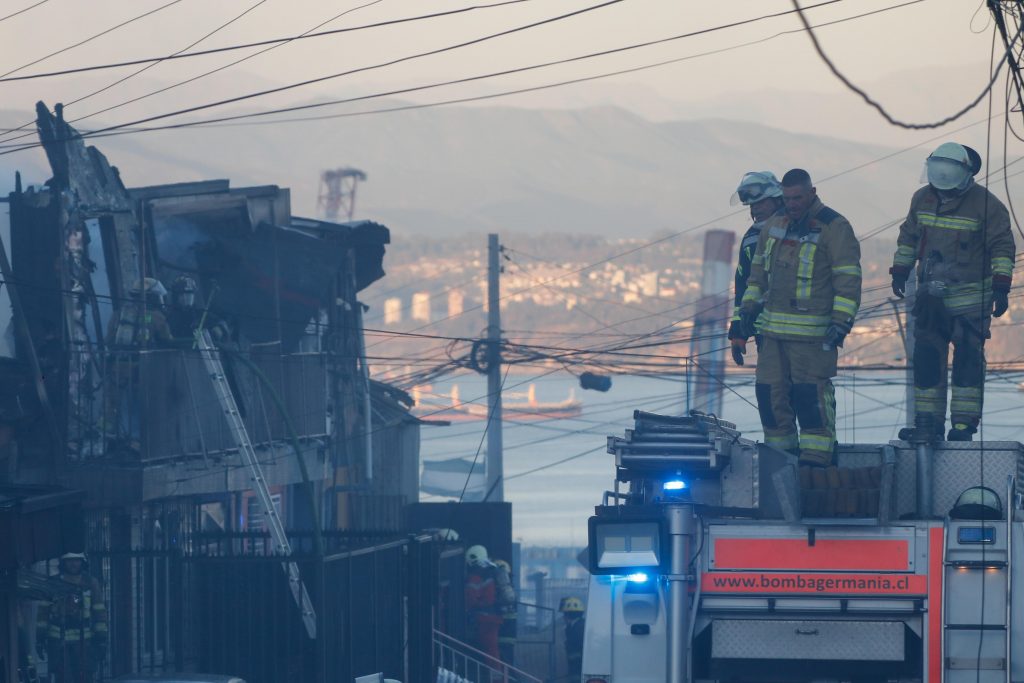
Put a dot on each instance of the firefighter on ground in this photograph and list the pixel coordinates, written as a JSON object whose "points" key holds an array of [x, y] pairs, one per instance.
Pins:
{"points": [[488, 591], [802, 297], [958, 235], [572, 612], [72, 629], [507, 634], [761, 191]]}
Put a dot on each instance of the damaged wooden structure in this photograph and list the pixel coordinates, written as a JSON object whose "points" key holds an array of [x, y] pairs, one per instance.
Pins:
{"points": [[136, 426]]}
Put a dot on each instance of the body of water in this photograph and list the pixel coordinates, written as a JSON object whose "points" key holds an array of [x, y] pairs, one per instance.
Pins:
{"points": [[550, 506]]}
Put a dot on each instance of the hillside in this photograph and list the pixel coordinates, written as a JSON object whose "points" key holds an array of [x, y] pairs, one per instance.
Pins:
{"points": [[445, 171]]}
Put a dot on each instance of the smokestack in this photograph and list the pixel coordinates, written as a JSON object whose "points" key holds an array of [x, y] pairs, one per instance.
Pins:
{"points": [[708, 350]]}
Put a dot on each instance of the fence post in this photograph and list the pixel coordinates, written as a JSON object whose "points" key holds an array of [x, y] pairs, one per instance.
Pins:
{"points": [[538, 596], [322, 634], [422, 581]]}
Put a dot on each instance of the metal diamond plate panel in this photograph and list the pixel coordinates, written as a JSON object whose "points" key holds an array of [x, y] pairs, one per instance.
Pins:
{"points": [[957, 466], [863, 641]]}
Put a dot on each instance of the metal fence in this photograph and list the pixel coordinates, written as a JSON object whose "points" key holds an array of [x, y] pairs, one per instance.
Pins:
{"points": [[224, 605], [459, 662]]}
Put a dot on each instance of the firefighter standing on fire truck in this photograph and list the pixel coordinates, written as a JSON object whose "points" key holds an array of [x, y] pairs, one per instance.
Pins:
{"points": [[802, 297], [761, 191], [959, 235]]}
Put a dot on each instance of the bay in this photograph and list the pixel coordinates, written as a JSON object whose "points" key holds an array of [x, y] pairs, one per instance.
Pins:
{"points": [[551, 502]]}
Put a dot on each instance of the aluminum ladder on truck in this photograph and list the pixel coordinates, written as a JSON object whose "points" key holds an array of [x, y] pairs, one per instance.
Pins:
{"points": [[211, 359], [977, 598]]}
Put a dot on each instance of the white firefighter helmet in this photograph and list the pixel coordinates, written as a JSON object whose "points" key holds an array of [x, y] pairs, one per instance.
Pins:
{"points": [[977, 502], [754, 187], [476, 556], [73, 556], [445, 534], [151, 288], [950, 167], [571, 604]]}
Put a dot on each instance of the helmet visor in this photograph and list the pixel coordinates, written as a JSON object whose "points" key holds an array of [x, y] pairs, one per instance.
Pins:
{"points": [[946, 174], [749, 194]]}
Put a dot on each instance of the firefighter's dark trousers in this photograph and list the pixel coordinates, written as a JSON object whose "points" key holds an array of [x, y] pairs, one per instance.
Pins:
{"points": [[935, 328], [794, 385], [71, 662]]}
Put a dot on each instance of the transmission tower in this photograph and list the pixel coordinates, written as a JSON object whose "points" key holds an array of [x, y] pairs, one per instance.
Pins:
{"points": [[338, 192]]}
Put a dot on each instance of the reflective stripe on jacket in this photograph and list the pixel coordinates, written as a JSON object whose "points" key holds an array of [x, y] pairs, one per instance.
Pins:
{"points": [[964, 243], [806, 274]]}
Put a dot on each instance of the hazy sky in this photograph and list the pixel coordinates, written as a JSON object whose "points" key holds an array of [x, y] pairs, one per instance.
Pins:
{"points": [[930, 33]]}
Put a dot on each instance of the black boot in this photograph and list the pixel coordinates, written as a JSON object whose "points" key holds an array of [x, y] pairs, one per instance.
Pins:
{"points": [[961, 432], [910, 433]]}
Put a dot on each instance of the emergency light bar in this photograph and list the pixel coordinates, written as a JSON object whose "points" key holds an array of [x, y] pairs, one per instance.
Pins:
{"points": [[630, 546]]}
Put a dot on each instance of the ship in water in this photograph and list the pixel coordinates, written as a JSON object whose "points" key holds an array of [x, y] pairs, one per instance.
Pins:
{"points": [[450, 406]]}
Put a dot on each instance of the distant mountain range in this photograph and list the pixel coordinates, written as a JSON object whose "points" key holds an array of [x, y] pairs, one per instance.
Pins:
{"points": [[444, 171]]}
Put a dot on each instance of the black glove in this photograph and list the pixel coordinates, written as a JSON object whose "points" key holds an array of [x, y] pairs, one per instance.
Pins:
{"points": [[836, 333], [739, 348], [734, 330], [748, 320], [1000, 302], [899, 282]]}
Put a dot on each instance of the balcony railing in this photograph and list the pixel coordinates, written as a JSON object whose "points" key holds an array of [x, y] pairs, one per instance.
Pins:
{"points": [[159, 404]]}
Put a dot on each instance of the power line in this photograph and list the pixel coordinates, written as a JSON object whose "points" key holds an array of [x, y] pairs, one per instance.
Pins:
{"points": [[22, 11], [878, 107], [136, 73], [114, 130], [3, 77], [272, 41], [363, 69], [204, 74], [127, 128]]}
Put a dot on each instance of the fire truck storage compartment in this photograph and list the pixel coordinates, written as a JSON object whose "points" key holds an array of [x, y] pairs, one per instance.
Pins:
{"points": [[773, 639], [801, 647]]}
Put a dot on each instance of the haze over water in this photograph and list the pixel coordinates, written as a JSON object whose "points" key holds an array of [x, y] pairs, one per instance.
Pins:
{"points": [[551, 506]]}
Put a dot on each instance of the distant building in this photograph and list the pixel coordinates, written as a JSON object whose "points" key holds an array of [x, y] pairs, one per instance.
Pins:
{"points": [[421, 306], [648, 283], [392, 310], [455, 303]]}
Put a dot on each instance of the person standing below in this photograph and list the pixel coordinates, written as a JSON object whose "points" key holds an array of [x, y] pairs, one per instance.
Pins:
{"points": [[72, 630], [761, 191], [958, 234], [803, 294], [487, 587], [572, 612]]}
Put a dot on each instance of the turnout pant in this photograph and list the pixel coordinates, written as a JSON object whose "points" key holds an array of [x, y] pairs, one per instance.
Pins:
{"points": [[794, 385], [934, 330]]}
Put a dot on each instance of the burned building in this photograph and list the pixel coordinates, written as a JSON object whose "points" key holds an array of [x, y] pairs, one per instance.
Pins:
{"points": [[112, 290]]}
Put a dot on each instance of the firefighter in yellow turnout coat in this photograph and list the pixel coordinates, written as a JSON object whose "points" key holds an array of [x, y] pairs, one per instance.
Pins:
{"points": [[802, 297], [958, 234]]}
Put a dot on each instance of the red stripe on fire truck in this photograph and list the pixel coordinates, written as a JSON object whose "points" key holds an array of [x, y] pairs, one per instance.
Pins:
{"points": [[791, 553]]}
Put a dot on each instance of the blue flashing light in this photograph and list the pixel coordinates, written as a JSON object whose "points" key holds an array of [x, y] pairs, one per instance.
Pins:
{"points": [[637, 577], [674, 485]]}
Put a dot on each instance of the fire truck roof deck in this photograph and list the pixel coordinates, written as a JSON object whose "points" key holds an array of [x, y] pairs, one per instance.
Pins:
{"points": [[715, 558]]}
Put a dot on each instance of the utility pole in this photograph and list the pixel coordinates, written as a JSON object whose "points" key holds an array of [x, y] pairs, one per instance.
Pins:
{"points": [[495, 468], [706, 377]]}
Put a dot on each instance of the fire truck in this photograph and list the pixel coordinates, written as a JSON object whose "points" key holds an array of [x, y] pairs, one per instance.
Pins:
{"points": [[707, 565]]}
